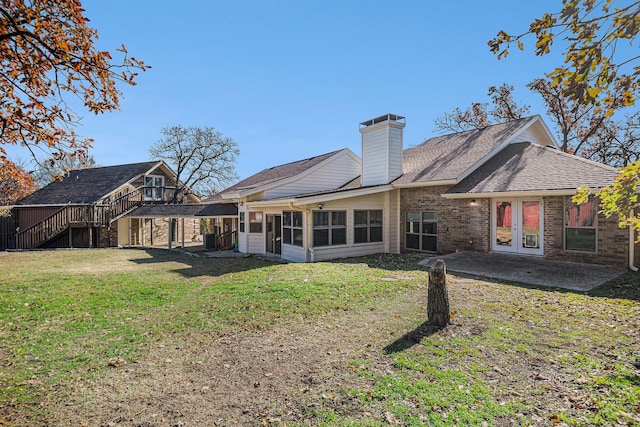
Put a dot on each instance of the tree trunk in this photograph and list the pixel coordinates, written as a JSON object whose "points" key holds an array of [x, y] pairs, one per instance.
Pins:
{"points": [[438, 313]]}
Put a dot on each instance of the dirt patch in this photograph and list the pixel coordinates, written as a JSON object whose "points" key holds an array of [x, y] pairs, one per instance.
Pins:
{"points": [[300, 370], [252, 377]]}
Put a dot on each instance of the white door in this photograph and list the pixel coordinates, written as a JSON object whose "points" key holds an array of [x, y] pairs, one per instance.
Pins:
{"points": [[516, 225]]}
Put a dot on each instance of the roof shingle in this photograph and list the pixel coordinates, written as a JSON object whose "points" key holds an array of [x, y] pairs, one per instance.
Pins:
{"points": [[525, 166], [447, 157], [86, 186]]}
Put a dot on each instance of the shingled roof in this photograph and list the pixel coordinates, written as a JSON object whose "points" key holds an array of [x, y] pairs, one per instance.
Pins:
{"points": [[86, 186], [447, 157], [274, 174], [184, 210], [524, 166]]}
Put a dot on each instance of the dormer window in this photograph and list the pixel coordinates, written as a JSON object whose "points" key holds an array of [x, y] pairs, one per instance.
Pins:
{"points": [[153, 187]]}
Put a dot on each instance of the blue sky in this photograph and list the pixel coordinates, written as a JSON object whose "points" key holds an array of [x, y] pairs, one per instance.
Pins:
{"points": [[291, 79]]}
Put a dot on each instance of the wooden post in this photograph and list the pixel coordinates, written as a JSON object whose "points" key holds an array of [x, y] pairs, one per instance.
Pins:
{"points": [[143, 225], [438, 312], [182, 233]]}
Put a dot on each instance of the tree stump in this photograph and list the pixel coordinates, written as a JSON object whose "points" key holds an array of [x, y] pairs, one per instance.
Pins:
{"points": [[438, 313]]}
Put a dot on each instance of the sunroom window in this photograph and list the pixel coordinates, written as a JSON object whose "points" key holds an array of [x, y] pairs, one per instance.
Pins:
{"points": [[292, 228], [329, 228], [367, 226]]}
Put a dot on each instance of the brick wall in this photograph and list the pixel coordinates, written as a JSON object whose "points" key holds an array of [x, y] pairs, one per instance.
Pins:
{"points": [[612, 245], [461, 227]]}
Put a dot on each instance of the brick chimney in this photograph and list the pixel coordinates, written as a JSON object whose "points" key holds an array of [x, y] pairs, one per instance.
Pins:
{"points": [[381, 149]]}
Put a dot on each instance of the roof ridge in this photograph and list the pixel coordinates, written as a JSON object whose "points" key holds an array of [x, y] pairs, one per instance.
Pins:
{"points": [[572, 156], [527, 119], [302, 160], [114, 166]]}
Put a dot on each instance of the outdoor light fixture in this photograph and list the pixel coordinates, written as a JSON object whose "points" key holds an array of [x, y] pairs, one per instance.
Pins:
{"points": [[473, 202], [320, 206]]}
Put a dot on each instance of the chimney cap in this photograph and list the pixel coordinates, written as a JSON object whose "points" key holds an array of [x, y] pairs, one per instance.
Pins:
{"points": [[384, 118]]}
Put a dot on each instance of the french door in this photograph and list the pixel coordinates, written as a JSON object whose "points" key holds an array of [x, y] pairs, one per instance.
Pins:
{"points": [[517, 226]]}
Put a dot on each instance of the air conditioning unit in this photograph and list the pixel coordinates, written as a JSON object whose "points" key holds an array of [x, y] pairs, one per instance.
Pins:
{"points": [[530, 240]]}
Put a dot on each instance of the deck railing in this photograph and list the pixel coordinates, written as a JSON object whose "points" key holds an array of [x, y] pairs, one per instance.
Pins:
{"points": [[99, 215], [49, 227], [226, 241]]}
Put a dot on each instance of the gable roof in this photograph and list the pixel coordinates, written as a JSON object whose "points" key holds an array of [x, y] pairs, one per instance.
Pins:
{"points": [[87, 186], [272, 175], [524, 166], [448, 157]]}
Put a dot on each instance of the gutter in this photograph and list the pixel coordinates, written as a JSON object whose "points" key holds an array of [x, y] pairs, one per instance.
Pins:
{"points": [[632, 247]]}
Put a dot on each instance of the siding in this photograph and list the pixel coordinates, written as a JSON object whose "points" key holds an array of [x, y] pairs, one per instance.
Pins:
{"points": [[381, 155], [294, 253], [373, 201], [336, 172], [535, 134], [30, 216], [392, 222], [256, 242]]}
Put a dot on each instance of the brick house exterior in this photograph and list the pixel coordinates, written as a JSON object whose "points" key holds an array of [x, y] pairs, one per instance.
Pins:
{"points": [[502, 188]]}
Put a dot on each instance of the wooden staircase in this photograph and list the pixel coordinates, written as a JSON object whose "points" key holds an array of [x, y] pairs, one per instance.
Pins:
{"points": [[78, 216]]}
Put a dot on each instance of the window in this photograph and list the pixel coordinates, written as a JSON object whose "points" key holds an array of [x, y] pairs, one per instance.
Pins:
{"points": [[241, 222], [580, 225], [367, 226], [255, 222], [292, 228], [153, 187], [421, 231], [329, 228]]}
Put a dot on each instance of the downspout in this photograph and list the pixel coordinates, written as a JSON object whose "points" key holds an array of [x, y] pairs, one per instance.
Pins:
{"points": [[632, 247]]}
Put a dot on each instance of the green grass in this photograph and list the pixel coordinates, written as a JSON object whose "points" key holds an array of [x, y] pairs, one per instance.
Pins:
{"points": [[515, 355]]}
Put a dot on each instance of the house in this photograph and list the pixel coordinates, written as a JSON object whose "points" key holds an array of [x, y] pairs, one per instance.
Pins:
{"points": [[123, 205], [504, 188]]}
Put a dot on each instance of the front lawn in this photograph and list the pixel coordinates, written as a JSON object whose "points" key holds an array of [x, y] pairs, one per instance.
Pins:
{"points": [[152, 337]]}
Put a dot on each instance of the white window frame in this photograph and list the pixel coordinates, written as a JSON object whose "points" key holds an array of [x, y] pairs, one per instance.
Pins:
{"points": [[153, 191]]}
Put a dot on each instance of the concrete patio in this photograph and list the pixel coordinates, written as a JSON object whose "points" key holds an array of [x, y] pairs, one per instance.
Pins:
{"points": [[530, 270]]}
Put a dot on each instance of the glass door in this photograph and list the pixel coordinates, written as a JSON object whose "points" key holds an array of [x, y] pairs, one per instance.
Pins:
{"points": [[274, 234], [517, 225]]}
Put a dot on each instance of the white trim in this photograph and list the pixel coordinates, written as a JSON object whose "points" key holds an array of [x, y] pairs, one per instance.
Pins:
{"points": [[322, 198], [548, 132], [517, 247], [345, 194]]}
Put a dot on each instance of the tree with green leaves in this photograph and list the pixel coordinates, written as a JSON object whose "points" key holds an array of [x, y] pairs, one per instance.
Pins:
{"points": [[600, 58], [202, 158], [600, 69]]}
